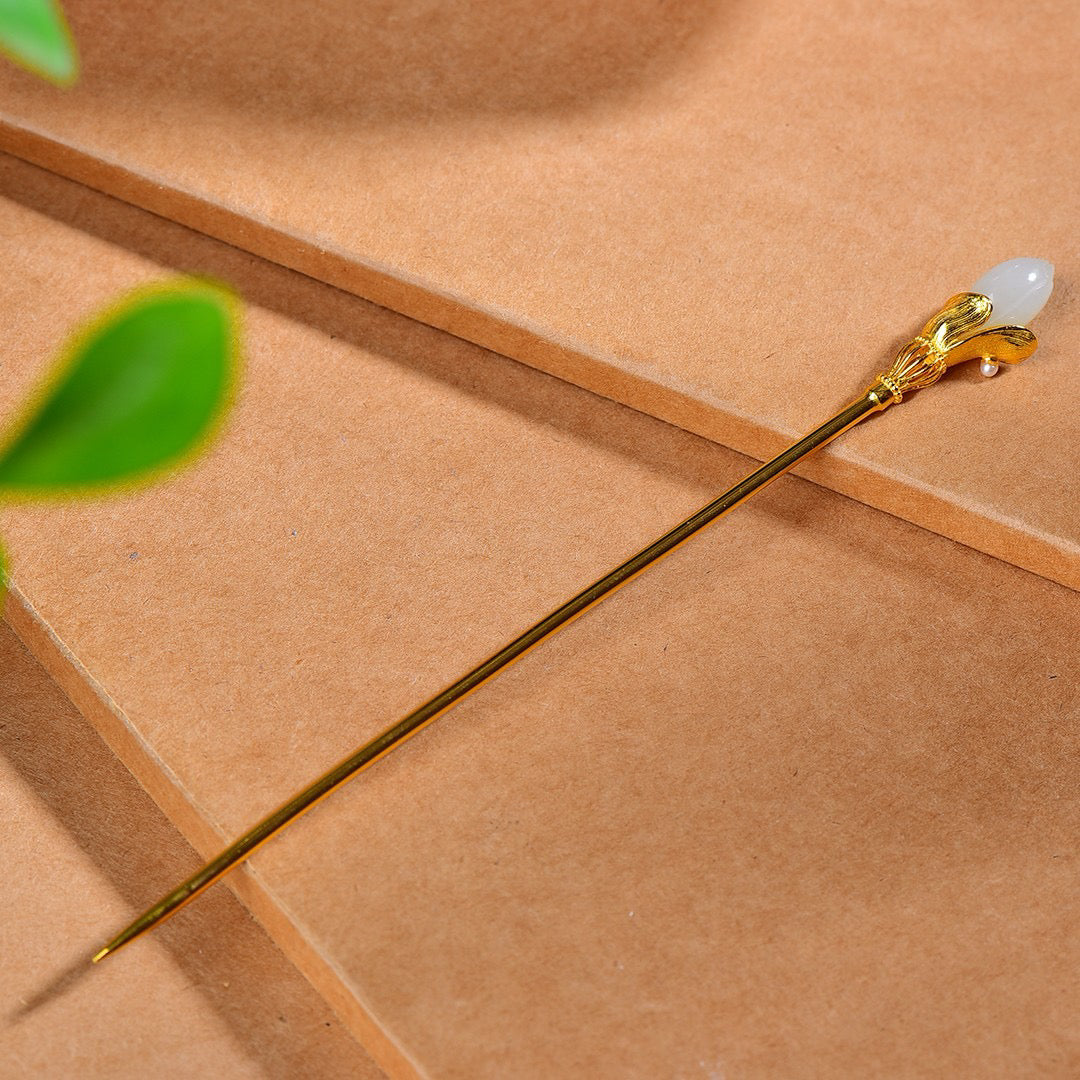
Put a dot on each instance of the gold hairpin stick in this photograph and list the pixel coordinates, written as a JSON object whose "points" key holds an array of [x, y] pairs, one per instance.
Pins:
{"points": [[1012, 293]]}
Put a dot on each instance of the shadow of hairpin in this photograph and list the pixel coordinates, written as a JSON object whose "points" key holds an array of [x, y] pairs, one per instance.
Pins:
{"points": [[57, 985]]}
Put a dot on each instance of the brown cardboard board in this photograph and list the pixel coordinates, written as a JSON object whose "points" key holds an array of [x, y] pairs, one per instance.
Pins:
{"points": [[800, 801], [723, 214], [80, 841]]}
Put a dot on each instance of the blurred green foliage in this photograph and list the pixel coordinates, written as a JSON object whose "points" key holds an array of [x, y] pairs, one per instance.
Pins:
{"points": [[35, 34], [145, 384], [138, 391]]}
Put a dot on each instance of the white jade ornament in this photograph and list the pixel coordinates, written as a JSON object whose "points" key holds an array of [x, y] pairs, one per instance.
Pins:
{"points": [[1018, 290]]}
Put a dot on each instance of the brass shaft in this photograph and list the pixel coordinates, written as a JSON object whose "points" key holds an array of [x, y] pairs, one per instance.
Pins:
{"points": [[875, 399]]}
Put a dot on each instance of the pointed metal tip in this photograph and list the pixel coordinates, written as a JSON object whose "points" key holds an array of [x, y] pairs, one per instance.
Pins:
{"points": [[100, 955]]}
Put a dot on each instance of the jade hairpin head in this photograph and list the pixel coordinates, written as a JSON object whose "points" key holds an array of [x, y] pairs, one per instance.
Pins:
{"points": [[988, 324]]}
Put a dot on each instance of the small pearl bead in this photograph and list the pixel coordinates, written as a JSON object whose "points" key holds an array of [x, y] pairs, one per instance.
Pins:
{"points": [[988, 367]]}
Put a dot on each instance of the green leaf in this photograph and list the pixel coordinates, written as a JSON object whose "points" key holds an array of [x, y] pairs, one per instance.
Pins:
{"points": [[139, 390], [35, 34]]}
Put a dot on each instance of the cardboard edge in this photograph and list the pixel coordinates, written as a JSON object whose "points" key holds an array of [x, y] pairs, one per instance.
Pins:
{"points": [[834, 470], [109, 721]]}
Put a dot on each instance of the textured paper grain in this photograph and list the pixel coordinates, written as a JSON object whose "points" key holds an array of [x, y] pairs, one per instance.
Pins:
{"points": [[80, 841], [800, 801], [724, 214]]}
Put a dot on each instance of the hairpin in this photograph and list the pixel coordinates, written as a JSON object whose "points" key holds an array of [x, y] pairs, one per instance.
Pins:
{"points": [[988, 324]]}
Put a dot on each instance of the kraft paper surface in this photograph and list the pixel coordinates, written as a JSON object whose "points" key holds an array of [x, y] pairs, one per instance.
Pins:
{"points": [[725, 214], [80, 843], [800, 801]]}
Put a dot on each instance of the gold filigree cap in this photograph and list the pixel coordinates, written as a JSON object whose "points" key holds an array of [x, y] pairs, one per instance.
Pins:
{"points": [[947, 339]]}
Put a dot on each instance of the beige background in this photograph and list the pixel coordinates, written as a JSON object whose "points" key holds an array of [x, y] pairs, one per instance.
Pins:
{"points": [[801, 801], [79, 842], [724, 214]]}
